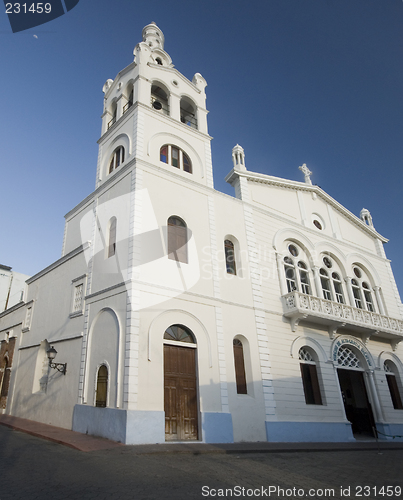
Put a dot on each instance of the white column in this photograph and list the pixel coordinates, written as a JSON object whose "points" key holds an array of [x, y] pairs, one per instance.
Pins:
{"points": [[347, 279], [379, 299], [318, 284], [281, 274], [374, 396]]}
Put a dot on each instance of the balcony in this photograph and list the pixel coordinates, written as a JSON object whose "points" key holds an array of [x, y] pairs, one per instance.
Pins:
{"points": [[299, 306]]}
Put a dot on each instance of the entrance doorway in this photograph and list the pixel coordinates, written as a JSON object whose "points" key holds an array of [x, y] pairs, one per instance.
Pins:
{"points": [[180, 393], [356, 404]]}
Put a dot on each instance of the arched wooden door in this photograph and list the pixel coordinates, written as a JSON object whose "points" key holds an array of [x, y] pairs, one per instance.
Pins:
{"points": [[180, 385]]}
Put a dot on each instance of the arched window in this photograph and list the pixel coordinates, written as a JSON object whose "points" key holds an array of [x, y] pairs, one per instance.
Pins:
{"points": [[296, 271], [239, 363], [392, 378], [188, 112], [309, 376], [290, 274], [361, 290], [5, 380], [129, 103], [325, 282], [159, 99], [356, 294], [338, 288], [174, 156], [368, 297], [230, 257], [179, 333], [304, 278], [117, 158], [112, 237], [102, 387], [114, 115], [177, 240]]}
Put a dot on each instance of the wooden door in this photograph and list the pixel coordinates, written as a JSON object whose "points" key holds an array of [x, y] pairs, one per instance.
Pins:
{"points": [[180, 393]]}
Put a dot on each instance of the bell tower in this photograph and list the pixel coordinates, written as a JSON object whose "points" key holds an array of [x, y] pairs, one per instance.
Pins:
{"points": [[154, 114]]}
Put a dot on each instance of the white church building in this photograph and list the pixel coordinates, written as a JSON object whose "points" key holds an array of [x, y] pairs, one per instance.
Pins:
{"points": [[182, 313]]}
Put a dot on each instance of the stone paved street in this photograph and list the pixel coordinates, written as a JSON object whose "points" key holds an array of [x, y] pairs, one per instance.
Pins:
{"points": [[32, 468]]}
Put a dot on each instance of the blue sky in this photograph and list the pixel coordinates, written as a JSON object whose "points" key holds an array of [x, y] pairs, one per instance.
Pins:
{"points": [[292, 81]]}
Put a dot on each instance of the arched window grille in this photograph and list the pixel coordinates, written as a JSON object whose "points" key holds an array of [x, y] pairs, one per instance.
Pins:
{"points": [[239, 362], [174, 156], [392, 379], [179, 333], [112, 237], [177, 240], [102, 387], [230, 257], [347, 358], [117, 158], [309, 376], [325, 282]]}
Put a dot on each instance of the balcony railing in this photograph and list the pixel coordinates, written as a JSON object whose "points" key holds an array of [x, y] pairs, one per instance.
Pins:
{"points": [[299, 306], [112, 122], [127, 106]]}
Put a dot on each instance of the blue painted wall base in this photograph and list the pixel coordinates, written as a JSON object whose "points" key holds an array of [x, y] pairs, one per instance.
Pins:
{"points": [[299, 432], [390, 432], [124, 426], [217, 427]]}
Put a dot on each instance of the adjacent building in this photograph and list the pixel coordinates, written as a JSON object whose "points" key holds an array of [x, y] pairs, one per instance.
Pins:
{"points": [[181, 313]]}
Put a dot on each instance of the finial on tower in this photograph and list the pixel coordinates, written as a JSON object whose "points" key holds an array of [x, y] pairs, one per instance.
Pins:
{"points": [[153, 36], [366, 217], [238, 157], [305, 170]]}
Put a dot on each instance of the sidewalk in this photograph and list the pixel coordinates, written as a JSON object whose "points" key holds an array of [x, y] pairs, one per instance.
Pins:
{"points": [[83, 442]]}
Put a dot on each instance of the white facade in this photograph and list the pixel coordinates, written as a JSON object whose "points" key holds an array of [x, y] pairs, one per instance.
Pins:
{"points": [[249, 284]]}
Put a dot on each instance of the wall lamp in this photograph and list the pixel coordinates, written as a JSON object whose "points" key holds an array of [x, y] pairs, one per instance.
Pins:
{"points": [[60, 367]]}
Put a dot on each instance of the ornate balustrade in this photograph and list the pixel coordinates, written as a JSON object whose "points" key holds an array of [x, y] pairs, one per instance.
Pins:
{"points": [[299, 306]]}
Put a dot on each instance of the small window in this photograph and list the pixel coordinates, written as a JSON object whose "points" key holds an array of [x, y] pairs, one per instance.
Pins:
{"points": [[112, 237], [239, 363], [309, 376], [187, 165], [327, 294], [118, 157], [317, 224], [177, 240], [327, 262], [338, 288], [230, 257], [28, 318], [304, 278], [293, 250], [357, 294], [78, 298], [391, 379], [290, 277], [368, 297], [175, 157], [102, 387]]}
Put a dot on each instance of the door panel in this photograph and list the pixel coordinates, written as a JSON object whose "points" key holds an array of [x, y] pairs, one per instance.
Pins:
{"points": [[180, 393]]}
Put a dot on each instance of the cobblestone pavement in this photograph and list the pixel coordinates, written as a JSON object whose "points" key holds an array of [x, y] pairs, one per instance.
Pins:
{"points": [[32, 468]]}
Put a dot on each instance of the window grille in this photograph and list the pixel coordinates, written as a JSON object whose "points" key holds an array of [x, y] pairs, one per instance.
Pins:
{"points": [[347, 358], [305, 355], [78, 298]]}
